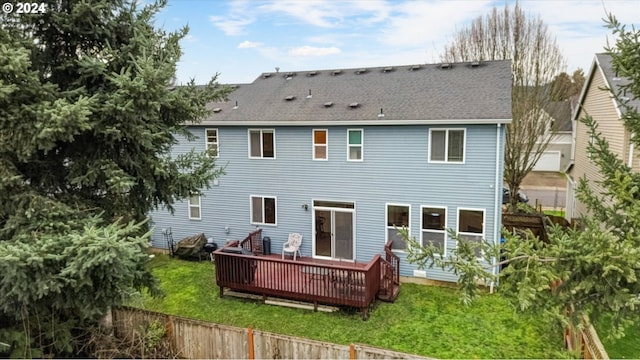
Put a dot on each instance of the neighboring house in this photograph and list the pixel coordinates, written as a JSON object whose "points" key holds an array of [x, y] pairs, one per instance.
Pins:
{"points": [[557, 155], [343, 157], [599, 103]]}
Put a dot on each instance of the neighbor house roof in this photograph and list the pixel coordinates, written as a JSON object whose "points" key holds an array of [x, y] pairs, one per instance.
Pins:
{"points": [[560, 111], [458, 93], [603, 61]]}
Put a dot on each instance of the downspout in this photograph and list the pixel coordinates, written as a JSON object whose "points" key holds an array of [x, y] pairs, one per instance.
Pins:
{"points": [[630, 161], [497, 212]]}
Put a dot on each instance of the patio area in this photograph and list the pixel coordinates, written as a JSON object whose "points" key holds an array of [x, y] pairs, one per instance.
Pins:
{"points": [[318, 281]]}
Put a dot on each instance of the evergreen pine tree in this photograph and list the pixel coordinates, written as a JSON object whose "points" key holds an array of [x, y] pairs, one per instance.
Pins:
{"points": [[88, 115]]}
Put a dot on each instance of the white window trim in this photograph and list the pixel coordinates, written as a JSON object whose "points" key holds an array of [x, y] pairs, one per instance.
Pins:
{"points": [[361, 146], [273, 131], [217, 143], [446, 146], [386, 221], [484, 222], [275, 199], [422, 229], [313, 145], [199, 206]]}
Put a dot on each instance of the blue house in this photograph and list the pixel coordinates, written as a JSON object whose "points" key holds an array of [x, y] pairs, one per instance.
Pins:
{"points": [[346, 156]]}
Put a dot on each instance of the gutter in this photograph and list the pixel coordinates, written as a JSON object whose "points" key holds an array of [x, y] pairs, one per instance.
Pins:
{"points": [[368, 122], [630, 161], [497, 206]]}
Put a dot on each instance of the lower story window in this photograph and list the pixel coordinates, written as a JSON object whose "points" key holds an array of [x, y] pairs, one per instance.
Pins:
{"points": [[471, 226], [434, 221], [397, 218], [194, 207], [263, 210]]}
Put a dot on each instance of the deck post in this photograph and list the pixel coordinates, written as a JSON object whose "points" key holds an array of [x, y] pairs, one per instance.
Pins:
{"points": [[365, 313]]}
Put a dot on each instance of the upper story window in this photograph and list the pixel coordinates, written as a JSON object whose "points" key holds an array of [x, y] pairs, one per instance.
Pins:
{"points": [[320, 144], [471, 226], [262, 143], [354, 147], [194, 207], [397, 217], [446, 145], [212, 140]]}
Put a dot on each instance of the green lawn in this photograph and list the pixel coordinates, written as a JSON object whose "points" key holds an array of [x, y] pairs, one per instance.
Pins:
{"points": [[627, 347], [554, 212], [424, 320]]}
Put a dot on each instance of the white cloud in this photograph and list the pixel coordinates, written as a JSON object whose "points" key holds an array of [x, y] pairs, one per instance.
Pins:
{"points": [[330, 14], [316, 13], [313, 51], [249, 44], [240, 15], [230, 26], [579, 27], [421, 23], [589, 12]]}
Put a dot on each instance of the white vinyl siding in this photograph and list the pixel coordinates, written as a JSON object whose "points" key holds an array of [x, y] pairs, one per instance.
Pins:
{"points": [[263, 210], [212, 143], [592, 138], [262, 143], [398, 216], [447, 145], [194, 208], [320, 144], [597, 103], [471, 225], [355, 141], [434, 221]]}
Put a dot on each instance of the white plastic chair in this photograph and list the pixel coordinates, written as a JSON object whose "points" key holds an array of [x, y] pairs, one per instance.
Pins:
{"points": [[292, 245]]}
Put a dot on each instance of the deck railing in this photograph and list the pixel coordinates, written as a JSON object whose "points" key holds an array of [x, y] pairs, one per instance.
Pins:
{"points": [[253, 242], [394, 261], [339, 283]]}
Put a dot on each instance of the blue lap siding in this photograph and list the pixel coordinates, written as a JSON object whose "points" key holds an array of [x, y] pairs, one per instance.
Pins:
{"points": [[395, 170]]}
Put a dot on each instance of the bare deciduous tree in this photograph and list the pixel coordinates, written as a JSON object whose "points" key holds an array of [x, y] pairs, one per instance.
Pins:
{"points": [[536, 59]]}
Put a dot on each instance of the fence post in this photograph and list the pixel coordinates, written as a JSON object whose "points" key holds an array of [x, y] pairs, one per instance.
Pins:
{"points": [[250, 343], [352, 351], [107, 321], [168, 326]]}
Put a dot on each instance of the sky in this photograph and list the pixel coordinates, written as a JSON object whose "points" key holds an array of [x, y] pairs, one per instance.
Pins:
{"points": [[241, 39]]}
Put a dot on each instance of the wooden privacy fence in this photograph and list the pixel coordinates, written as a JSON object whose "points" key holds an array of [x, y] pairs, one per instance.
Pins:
{"points": [[194, 339], [586, 341], [534, 222]]}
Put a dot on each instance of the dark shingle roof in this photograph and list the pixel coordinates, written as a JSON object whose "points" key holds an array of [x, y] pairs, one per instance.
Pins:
{"points": [[560, 111], [614, 81], [462, 93]]}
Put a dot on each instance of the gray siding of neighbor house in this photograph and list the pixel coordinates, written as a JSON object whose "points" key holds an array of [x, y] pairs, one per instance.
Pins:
{"points": [[395, 170], [564, 149]]}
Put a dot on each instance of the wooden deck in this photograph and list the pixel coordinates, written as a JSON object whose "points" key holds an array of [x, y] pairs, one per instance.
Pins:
{"points": [[317, 281]]}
